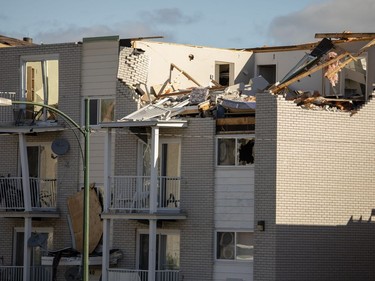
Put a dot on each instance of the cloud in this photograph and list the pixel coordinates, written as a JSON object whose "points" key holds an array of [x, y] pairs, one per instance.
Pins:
{"points": [[168, 16], [324, 17], [76, 33]]}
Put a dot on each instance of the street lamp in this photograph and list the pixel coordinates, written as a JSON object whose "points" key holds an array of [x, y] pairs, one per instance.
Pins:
{"points": [[86, 134]]}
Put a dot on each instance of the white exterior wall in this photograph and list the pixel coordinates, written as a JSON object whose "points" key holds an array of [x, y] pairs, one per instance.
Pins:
{"points": [[234, 211], [284, 62], [99, 72], [201, 68]]}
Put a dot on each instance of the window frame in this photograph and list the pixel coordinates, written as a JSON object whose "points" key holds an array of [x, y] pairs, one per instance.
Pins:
{"points": [[23, 81], [159, 232], [236, 137], [98, 100], [235, 259], [16, 230]]}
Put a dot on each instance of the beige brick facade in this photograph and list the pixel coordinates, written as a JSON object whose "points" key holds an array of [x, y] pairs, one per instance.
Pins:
{"points": [[314, 188]]}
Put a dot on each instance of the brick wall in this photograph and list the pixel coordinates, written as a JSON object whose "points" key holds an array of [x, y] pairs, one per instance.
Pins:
{"points": [[197, 197], [68, 164], [314, 188]]}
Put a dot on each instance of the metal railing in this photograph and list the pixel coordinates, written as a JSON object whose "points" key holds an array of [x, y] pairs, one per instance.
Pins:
{"points": [[118, 274], [132, 193], [7, 114], [43, 193], [15, 273]]}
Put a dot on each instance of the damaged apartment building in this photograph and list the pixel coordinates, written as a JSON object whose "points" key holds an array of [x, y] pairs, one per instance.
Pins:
{"points": [[206, 163]]}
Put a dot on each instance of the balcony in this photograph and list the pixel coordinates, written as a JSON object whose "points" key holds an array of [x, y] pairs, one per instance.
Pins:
{"points": [[43, 194], [132, 194], [15, 273], [117, 274]]}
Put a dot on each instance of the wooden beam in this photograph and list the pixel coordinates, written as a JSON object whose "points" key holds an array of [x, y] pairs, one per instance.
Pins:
{"points": [[235, 121], [185, 74], [277, 88], [346, 35]]}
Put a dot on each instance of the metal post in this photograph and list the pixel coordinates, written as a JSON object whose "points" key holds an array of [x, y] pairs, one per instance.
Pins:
{"points": [[86, 215]]}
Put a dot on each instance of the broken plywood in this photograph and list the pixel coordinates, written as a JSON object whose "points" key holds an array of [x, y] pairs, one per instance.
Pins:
{"points": [[75, 207]]}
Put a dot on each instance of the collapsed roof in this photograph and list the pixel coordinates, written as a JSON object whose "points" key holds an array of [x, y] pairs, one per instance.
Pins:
{"points": [[167, 101]]}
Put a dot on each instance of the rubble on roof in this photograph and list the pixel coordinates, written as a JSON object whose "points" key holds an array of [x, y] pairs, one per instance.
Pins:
{"points": [[313, 100], [167, 100], [215, 101], [331, 59]]}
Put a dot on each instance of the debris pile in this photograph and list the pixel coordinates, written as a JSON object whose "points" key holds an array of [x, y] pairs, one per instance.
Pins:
{"points": [[313, 100]]}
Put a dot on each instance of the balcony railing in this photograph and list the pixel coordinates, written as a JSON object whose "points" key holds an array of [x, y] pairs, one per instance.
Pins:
{"points": [[118, 274], [132, 193], [43, 194], [15, 273]]}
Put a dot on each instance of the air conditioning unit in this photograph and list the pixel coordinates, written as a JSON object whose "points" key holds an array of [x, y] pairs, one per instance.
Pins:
{"points": [[227, 245], [227, 238], [227, 252]]}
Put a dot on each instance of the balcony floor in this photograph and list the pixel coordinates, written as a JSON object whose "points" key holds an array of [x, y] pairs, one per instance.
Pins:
{"points": [[161, 215], [29, 214]]}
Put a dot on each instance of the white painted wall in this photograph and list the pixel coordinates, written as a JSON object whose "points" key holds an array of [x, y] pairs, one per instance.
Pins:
{"points": [[284, 62], [201, 68]]}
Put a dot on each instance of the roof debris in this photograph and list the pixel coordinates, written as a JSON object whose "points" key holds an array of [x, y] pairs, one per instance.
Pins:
{"points": [[168, 100]]}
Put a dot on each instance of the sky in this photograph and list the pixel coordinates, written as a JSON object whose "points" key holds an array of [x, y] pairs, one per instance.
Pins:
{"points": [[214, 23]]}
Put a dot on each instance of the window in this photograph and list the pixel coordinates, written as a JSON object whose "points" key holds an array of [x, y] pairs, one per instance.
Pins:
{"points": [[102, 110], [168, 170], [235, 151], [42, 161], [41, 85], [224, 73], [167, 250], [234, 245], [44, 235], [268, 72]]}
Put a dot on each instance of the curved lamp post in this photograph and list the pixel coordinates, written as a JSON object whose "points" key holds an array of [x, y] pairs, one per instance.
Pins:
{"points": [[86, 134]]}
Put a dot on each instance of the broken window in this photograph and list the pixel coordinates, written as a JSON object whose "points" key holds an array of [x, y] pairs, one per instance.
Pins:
{"points": [[101, 110], [40, 85], [235, 151]]}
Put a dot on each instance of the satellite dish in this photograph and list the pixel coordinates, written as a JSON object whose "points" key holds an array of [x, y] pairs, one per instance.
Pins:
{"points": [[37, 239], [60, 146]]}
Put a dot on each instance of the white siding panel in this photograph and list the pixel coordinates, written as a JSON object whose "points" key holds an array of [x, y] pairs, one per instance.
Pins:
{"points": [[234, 198], [99, 59], [99, 76], [240, 270]]}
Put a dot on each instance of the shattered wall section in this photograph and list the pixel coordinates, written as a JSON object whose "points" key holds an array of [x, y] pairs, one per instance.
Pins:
{"points": [[133, 67]]}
